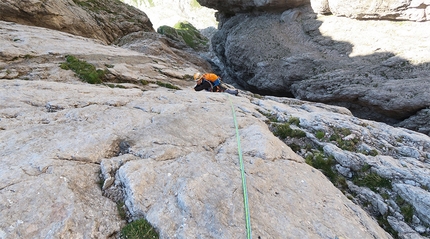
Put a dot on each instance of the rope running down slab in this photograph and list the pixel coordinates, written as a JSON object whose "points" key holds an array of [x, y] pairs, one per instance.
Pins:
{"points": [[242, 172]]}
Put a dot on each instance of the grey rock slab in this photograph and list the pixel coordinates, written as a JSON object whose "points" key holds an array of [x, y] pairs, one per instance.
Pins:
{"points": [[183, 176]]}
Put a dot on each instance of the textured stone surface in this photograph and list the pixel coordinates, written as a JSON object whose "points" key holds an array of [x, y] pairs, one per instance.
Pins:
{"points": [[172, 155], [103, 19], [327, 59]]}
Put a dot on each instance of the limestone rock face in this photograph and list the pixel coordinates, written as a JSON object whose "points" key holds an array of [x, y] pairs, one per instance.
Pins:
{"points": [[416, 10], [327, 59], [104, 20], [144, 56], [170, 155], [70, 151], [229, 6]]}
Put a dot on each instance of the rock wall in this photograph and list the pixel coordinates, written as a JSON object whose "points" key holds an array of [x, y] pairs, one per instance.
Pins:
{"points": [[58, 134], [375, 68], [70, 151], [103, 20]]}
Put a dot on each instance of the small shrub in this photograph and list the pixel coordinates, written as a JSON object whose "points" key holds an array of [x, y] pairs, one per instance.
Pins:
{"points": [[373, 181], [373, 152], [284, 130], [139, 229], [324, 164], [319, 134], [294, 120], [408, 212], [406, 209], [272, 118]]}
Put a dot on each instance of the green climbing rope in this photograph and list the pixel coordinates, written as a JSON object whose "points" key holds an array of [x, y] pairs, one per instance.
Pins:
{"points": [[242, 172]]}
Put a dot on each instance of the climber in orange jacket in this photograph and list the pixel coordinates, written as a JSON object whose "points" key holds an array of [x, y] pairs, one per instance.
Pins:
{"points": [[211, 82]]}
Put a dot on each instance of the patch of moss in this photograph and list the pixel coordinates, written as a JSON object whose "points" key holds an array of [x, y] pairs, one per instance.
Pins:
{"points": [[83, 70], [372, 152], [144, 82], [116, 86], [139, 229], [186, 32], [167, 85]]}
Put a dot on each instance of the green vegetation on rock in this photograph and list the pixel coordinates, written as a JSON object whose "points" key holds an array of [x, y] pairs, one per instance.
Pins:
{"points": [[372, 180], [139, 229], [83, 70], [185, 32]]}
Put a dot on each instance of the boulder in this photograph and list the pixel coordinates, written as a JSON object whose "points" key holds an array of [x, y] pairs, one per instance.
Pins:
{"points": [[104, 20]]}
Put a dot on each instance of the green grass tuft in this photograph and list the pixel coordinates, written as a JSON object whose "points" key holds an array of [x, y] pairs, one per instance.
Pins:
{"points": [[320, 135], [84, 70], [294, 121], [167, 85], [284, 130], [373, 181], [139, 229], [406, 209]]}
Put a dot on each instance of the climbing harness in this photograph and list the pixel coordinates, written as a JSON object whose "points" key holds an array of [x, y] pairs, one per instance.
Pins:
{"points": [[242, 172]]}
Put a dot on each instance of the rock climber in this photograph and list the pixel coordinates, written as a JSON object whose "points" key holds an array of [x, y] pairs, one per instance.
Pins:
{"points": [[211, 82]]}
